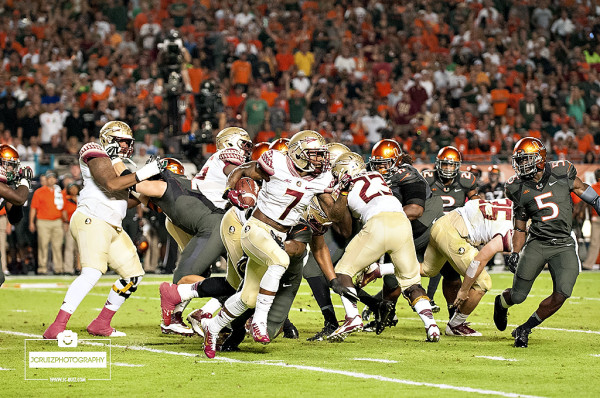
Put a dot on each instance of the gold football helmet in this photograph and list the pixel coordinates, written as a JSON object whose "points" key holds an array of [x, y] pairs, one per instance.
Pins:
{"points": [[386, 155], [448, 156], [348, 163], [235, 137], [113, 134], [9, 158], [335, 150], [308, 152], [529, 157]]}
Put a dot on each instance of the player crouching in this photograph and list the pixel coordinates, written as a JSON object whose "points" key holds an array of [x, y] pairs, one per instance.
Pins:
{"points": [[385, 229], [96, 227]]}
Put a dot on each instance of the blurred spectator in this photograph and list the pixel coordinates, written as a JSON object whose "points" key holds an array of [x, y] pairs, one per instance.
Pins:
{"points": [[256, 111], [46, 218], [70, 196], [594, 248], [3, 229]]}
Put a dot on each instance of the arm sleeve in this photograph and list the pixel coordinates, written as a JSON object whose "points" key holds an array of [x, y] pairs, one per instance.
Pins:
{"points": [[414, 193], [571, 174]]}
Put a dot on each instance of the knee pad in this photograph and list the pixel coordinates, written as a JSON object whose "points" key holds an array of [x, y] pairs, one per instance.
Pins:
{"points": [[125, 287]]}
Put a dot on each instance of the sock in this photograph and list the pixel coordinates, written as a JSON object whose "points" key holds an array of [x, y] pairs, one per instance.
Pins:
{"points": [[211, 306], [188, 291], [235, 306], [80, 287], [350, 306], [214, 287], [433, 285], [423, 308], [457, 319], [386, 269], [320, 291], [270, 283], [181, 306], [114, 301], [533, 321], [503, 301]]}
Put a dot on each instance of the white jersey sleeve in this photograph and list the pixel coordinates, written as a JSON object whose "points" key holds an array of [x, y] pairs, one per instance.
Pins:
{"points": [[481, 229], [94, 200], [286, 195], [370, 196], [211, 180]]}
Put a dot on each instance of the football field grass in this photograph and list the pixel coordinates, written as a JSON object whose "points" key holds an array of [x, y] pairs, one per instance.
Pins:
{"points": [[563, 358]]}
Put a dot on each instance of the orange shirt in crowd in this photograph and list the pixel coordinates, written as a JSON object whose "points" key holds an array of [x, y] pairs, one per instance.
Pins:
{"points": [[69, 206], [585, 144], [499, 101], [269, 97], [462, 144], [284, 61], [383, 89], [535, 134], [197, 76], [241, 71], [43, 202]]}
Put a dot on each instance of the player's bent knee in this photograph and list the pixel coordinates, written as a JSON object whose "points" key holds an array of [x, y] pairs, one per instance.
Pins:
{"points": [[127, 286], [483, 283], [249, 298], [517, 297]]}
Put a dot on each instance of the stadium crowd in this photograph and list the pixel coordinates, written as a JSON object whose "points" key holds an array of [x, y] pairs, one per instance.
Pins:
{"points": [[478, 75]]}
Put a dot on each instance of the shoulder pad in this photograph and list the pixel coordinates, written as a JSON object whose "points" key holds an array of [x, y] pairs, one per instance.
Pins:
{"points": [[405, 174], [467, 180], [266, 162], [232, 155], [92, 150], [429, 176], [563, 168]]}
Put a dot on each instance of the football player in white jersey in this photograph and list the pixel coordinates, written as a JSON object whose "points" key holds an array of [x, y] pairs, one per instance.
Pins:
{"points": [[96, 227], [455, 238], [289, 182], [385, 229], [14, 186]]}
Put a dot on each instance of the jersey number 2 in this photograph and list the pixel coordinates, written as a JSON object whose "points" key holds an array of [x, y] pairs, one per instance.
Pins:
{"points": [[297, 197], [551, 205]]}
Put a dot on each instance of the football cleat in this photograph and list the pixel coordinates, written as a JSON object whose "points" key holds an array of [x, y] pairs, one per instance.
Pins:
{"points": [[521, 335], [259, 332], [349, 326], [53, 330], [386, 311], [366, 314], [461, 330], [328, 329], [177, 326], [433, 333], [195, 317], [434, 307], [500, 314], [169, 298], [96, 328], [289, 330], [210, 339], [370, 274]]}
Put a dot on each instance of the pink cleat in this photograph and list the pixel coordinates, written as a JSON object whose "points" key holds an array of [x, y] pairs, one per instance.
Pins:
{"points": [[169, 298], [210, 339], [59, 325], [259, 332]]}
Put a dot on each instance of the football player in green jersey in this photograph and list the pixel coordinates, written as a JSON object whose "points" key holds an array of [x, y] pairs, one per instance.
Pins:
{"points": [[540, 192]]}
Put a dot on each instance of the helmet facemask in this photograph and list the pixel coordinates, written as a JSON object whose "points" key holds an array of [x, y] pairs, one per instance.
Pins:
{"points": [[525, 164], [317, 160], [12, 168], [246, 146], [447, 172], [124, 152], [385, 167]]}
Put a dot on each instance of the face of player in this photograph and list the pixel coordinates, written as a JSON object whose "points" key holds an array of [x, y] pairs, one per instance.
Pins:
{"points": [[319, 159], [381, 166], [126, 146]]}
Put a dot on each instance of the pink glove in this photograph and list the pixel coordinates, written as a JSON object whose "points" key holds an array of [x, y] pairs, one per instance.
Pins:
{"points": [[234, 196]]}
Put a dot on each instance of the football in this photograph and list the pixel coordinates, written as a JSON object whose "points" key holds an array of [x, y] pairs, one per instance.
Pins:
{"points": [[249, 191]]}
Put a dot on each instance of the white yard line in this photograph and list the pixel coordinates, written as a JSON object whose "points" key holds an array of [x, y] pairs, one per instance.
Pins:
{"points": [[497, 358], [596, 355], [127, 365], [5, 369], [375, 360], [357, 375]]}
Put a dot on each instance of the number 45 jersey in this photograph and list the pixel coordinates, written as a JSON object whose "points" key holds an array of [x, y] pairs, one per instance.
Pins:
{"points": [[482, 229], [286, 195], [547, 203]]}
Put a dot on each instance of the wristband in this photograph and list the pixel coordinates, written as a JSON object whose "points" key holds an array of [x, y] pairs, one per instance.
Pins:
{"points": [[344, 193], [116, 160], [520, 230]]}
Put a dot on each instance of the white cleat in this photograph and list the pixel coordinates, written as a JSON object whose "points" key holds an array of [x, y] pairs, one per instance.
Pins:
{"points": [[433, 333], [176, 328], [116, 333], [461, 330], [195, 318], [349, 326]]}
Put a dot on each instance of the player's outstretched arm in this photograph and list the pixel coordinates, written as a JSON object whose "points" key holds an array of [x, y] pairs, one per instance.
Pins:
{"points": [[586, 193], [337, 211], [152, 189], [104, 174], [320, 251], [17, 197]]}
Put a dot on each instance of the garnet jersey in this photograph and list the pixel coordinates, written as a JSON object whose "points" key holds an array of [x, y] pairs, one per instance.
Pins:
{"points": [[481, 229], [211, 180], [94, 200], [370, 196], [547, 203], [455, 194], [286, 195]]}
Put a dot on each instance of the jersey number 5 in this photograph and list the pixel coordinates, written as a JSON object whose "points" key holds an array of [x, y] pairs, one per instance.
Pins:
{"points": [[297, 197], [541, 205]]}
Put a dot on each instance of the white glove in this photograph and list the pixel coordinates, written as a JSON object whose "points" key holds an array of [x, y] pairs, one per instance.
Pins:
{"points": [[150, 170]]}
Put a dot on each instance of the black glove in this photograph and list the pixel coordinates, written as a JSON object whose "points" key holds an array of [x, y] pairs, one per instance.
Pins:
{"points": [[278, 240], [512, 261], [342, 290], [153, 158], [26, 173]]}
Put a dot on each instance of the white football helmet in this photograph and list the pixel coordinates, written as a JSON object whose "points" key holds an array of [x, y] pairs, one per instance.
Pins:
{"points": [[308, 152], [112, 135], [235, 137]]}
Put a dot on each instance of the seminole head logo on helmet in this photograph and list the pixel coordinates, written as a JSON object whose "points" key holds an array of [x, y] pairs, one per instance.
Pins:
{"points": [[174, 166], [308, 152], [350, 163], [9, 159], [385, 157], [116, 137], [447, 162], [259, 149], [529, 157], [235, 137]]}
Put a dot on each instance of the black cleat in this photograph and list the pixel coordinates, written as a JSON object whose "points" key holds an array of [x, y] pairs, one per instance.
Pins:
{"points": [[386, 310], [521, 335], [326, 331], [434, 307], [366, 313], [500, 315], [289, 330]]}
